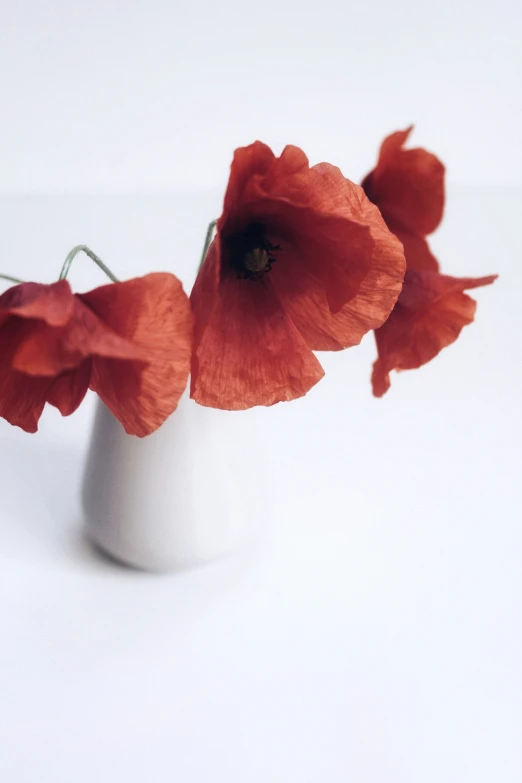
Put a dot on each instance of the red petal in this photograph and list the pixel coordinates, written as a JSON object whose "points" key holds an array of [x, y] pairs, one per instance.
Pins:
{"points": [[52, 304], [392, 145], [152, 312], [48, 350], [22, 399], [248, 162], [306, 302], [257, 176], [336, 252], [250, 353], [204, 296], [338, 244], [425, 288], [407, 185], [430, 314], [416, 249], [69, 389]]}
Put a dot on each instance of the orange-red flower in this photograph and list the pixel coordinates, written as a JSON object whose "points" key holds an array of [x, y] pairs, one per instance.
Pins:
{"points": [[408, 187], [301, 261], [130, 342]]}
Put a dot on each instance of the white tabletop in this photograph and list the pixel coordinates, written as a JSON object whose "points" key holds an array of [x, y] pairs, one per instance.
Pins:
{"points": [[374, 633]]}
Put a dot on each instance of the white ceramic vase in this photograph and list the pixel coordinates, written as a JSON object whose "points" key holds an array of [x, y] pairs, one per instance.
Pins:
{"points": [[182, 496]]}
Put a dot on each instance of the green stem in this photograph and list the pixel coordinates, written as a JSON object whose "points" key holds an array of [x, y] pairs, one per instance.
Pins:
{"points": [[83, 248], [208, 240], [11, 279]]}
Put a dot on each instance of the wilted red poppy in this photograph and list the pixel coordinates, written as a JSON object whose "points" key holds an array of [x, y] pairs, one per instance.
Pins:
{"points": [[130, 342], [408, 188], [301, 261]]}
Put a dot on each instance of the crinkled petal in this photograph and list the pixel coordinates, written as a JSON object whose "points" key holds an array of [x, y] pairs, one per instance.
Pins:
{"points": [[307, 305], [416, 249], [421, 289], [430, 314], [22, 398], [407, 185], [305, 299], [204, 296], [249, 162], [334, 251], [153, 313], [53, 304], [258, 176], [68, 389], [392, 145], [48, 350], [340, 244], [250, 352]]}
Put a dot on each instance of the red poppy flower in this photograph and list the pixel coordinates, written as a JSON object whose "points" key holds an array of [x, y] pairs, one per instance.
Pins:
{"points": [[408, 188], [130, 342], [301, 261]]}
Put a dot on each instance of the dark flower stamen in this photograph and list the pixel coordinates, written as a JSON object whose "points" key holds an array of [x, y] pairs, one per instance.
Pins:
{"points": [[250, 253]]}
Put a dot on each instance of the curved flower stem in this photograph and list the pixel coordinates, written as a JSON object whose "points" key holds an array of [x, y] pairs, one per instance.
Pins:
{"points": [[11, 279], [78, 249], [208, 240]]}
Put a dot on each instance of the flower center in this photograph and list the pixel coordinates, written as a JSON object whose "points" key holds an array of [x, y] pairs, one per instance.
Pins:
{"points": [[257, 260], [250, 253]]}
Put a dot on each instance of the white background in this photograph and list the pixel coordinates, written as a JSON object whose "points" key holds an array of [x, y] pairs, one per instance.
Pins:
{"points": [[127, 96], [374, 633]]}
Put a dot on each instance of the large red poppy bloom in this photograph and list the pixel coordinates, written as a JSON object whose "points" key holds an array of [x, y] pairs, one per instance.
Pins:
{"points": [[130, 342], [301, 261], [408, 187]]}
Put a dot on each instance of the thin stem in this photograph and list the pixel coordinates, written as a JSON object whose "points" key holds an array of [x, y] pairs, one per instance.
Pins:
{"points": [[11, 279], [72, 255], [208, 240]]}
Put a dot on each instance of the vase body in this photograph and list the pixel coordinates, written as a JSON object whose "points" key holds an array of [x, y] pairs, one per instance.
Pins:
{"points": [[182, 496]]}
